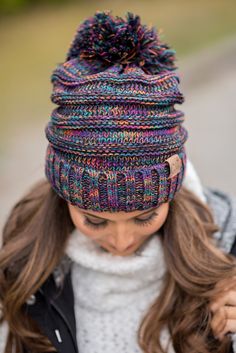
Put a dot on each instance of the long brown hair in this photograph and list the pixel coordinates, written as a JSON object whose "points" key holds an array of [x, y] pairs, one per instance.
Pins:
{"points": [[34, 239]]}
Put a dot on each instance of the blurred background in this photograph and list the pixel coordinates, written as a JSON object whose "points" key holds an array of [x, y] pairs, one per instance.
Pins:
{"points": [[35, 36]]}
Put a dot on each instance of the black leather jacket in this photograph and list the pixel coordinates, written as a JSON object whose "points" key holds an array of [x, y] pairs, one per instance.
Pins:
{"points": [[53, 310]]}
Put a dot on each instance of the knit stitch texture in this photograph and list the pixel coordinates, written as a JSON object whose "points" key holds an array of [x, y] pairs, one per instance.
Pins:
{"points": [[116, 125]]}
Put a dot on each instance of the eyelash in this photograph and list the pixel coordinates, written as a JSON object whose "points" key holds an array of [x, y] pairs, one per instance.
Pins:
{"points": [[145, 222]]}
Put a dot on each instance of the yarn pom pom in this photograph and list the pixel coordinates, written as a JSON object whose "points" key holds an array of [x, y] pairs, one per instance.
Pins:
{"points": [[108, 40]]}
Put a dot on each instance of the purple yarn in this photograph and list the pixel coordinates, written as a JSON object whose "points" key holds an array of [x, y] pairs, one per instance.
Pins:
{"points": [[105, 40], [115, 124]]}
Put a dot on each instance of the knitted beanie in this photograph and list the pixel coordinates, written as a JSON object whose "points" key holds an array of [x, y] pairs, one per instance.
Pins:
{"points": [[116, 142]]}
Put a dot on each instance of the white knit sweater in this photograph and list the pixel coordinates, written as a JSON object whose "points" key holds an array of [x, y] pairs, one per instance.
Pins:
{"points": [[112, 293]]}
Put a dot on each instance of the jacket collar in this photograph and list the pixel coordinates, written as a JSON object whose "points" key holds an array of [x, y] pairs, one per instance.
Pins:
{"points": [[58, 292]]}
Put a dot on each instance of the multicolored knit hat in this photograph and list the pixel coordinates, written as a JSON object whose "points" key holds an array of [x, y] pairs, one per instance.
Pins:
{"points": [[116, 142]]}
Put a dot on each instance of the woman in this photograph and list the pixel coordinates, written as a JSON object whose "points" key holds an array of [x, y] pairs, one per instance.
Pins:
{"points": [[121, 248]]}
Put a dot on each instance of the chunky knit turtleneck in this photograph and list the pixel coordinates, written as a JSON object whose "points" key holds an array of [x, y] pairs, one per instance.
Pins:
{"points": [[113, 293]]}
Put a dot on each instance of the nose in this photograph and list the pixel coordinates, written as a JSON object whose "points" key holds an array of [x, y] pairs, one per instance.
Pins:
{"points": [[121, 239]]}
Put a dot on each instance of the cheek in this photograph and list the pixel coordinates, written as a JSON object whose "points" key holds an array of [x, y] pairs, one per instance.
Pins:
{"points": [[93, 234], [159, 220], [143, 232], [163, 215]]}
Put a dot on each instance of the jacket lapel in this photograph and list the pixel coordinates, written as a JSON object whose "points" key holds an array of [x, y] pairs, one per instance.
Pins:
{"points": [[53, 311], [62, 300]]}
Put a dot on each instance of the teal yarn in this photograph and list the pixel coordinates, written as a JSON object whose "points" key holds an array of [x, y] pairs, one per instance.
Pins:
{"points": [[104, 40], [115, 126]]}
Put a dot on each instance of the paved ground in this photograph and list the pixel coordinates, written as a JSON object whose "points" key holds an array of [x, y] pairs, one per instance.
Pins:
{"points": [[209, 84], [208, 81]]}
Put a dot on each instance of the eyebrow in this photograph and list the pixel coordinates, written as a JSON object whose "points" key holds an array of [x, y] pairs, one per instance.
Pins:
{"points": [[148, 211]]}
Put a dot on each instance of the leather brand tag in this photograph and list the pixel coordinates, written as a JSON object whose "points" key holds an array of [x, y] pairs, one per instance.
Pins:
{"points": [[175, 164]]}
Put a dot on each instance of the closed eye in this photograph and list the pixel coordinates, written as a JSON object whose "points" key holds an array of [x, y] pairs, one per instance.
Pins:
{"points": [[139, 221]]}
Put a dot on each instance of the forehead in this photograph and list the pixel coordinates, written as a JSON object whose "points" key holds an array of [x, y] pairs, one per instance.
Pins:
{"points": [[116, 216]]}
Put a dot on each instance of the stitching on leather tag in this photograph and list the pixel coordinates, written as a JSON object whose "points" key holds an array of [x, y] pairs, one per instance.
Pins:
{"points": [[175, 164]]}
